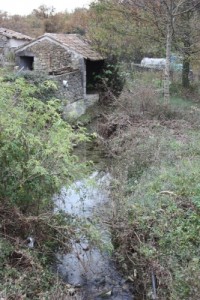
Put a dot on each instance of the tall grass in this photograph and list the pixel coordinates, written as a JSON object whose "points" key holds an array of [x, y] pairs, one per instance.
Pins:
{"points": [[156, 193]]}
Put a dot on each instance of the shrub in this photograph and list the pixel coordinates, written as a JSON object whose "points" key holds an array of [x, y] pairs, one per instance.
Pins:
{"points": [[110, 81], [156, 227], [44, 88], [35, 148], [36, 157]]}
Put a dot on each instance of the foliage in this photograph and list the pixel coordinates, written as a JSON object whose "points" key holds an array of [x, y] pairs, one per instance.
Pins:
{"points": [[164, 218], [26, 271], [192, 92], [44, 88], [36, 157], [22, 276], [110, 81], [46, 19], [114, 31], [132, 31], [35, 147], [155, 221], [163, 222]]}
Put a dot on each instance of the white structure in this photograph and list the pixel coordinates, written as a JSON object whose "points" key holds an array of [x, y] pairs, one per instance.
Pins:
{"points": [[154, 63]]}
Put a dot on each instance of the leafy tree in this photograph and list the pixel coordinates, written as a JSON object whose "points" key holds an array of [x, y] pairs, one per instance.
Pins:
{"points": [[51, 21], [46, 19], [151, 24], [114, 32], [78, 21], [43, 12], [36, 148], [186, 40]]}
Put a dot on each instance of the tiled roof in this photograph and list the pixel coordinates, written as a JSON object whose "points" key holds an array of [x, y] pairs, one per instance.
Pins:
{"points": [[13, 34], [77, 44]]}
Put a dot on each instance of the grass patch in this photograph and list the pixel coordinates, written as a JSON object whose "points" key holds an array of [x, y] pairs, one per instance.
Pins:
{"points": [[156, 194], [161, 232], [182, 103]]}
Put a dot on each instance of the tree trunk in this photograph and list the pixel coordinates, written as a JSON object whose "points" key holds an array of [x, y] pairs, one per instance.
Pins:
{"points": [[186, 72], [167, 65], [186, 51]]}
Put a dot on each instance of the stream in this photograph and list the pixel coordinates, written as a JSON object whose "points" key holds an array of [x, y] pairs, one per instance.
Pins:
{"points": [[86, 267]]}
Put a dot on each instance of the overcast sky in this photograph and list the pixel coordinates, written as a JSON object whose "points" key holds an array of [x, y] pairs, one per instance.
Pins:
{"points": [[25, 7]]}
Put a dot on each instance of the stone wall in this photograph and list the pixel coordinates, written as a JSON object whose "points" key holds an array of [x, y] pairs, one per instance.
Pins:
{"points": [[49, 56], [3, 49], [3, 43], [73, 91]]}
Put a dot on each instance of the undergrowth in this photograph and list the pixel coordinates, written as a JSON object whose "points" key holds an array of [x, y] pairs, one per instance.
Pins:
{"points": [[36, 157], [156, 212]]}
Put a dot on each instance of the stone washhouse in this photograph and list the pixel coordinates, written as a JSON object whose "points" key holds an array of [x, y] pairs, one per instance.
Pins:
{"points": [[68, 59], [9, 41]]}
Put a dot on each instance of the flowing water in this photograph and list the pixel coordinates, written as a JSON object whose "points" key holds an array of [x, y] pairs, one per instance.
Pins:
{"points": [[86, 267]]}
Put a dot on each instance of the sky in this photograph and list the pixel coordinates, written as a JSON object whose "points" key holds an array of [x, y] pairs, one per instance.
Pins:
{"points": [[25, 7]]}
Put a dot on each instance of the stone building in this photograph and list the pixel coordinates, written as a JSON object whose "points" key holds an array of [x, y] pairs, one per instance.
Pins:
{"points": [[65, 57], [9, 41]]}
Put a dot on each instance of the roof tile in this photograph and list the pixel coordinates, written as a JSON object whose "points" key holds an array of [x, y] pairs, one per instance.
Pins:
{"points": [[76, 43], [13, 34]]}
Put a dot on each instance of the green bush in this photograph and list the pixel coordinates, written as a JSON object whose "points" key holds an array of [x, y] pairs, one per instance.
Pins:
{"points": [[35, 147], [36, 158], [44, 88]]}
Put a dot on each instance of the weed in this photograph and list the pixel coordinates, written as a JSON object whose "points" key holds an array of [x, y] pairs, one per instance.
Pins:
{"points": [[156, 193]]}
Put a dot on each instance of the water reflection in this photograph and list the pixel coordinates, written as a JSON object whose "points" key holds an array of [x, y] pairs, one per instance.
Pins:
{"points": [[87, 266]]}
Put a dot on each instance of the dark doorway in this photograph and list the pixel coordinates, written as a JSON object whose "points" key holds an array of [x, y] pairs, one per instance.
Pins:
{"points": [[26, 62], [93, 71]]}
